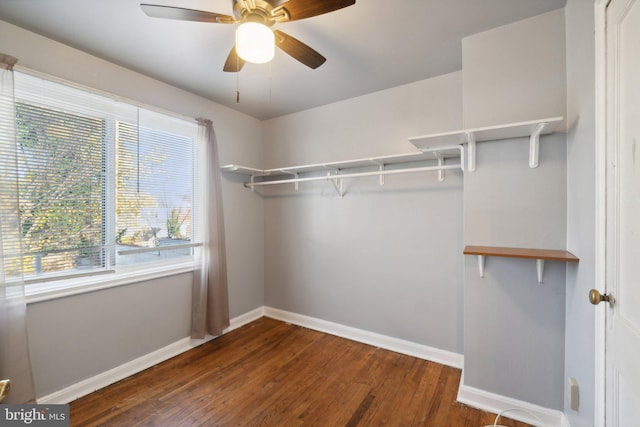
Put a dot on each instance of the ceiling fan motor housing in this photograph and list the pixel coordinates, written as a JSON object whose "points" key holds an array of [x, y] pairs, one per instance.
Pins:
{"points": [[259, 11], [265, 12]]}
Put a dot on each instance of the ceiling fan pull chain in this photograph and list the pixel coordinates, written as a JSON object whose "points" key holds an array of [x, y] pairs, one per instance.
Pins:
{"points": [[237, 79], [270, 78]]}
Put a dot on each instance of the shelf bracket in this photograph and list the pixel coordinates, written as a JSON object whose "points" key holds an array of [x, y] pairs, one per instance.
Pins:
{"points": [[471, 153], [440, 164], [380, 168], [481, 265], [540, 269], [295, 175], [534, 145], [339, 186]]}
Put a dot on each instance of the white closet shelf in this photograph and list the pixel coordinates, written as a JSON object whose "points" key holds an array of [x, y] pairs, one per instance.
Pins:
{"points": [[532, 129], [335, 170], [427, 154]]}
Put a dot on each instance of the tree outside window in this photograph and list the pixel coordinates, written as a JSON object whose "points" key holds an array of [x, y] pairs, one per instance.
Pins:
{"points": [[92, 186]]}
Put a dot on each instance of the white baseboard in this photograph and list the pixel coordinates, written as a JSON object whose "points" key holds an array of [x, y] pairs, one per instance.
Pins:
{"points": [[518, 410], [243, 319], [125, 370], [468, 395], [388, 343]]}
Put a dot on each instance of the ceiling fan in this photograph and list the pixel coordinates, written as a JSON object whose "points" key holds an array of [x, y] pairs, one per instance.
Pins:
{"points": [[265, 12]]}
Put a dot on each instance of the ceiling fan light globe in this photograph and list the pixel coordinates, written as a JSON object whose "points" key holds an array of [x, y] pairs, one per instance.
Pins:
{"points": [[255, 42]]}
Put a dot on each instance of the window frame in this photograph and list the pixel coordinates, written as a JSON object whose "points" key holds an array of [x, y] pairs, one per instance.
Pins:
{"points": [[73, 282]]}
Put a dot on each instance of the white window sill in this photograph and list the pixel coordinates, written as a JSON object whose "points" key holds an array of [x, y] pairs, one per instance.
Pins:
{"points": [[39, 292]]}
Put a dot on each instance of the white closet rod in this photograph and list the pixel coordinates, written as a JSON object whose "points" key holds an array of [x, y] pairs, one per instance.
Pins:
{"points": [[354, 175]]}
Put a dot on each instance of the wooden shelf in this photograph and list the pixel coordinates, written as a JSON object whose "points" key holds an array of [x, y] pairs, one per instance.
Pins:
{"points": [[540, 255], [545, 254]]}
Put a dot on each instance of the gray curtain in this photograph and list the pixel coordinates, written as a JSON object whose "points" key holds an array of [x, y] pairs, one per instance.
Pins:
{"points": [[15, 362], [210, 301]]}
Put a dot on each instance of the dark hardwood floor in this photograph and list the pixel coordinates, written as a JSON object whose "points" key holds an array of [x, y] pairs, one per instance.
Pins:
{"points": [[270, 373]]}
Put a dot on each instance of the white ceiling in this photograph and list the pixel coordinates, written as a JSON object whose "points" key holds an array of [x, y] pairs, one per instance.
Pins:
{"points": [[370, 46]]}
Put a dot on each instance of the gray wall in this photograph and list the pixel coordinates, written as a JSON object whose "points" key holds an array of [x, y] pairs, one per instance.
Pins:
{"points": [[580, 341], [78, 337], [514, 326], [81, 336], [383, 259], [515, 72]]}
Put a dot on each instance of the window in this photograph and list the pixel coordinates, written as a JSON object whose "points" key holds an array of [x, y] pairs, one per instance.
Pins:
{"points": [[103, 184]]}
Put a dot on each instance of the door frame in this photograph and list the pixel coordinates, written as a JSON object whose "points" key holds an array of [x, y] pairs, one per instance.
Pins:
{"points": [[601, 206]]}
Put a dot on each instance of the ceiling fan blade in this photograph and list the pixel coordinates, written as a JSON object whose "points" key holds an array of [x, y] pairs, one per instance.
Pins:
{"points": [[301, 9], [170, 12], [234, 63], [298, 50]]}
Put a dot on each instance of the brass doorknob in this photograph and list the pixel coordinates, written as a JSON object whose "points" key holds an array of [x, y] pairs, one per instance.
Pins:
{"points": [[596, 297], [5, 386]]}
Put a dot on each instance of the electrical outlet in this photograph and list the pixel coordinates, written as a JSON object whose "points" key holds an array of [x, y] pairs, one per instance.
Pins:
{"points": [[573, 393]]}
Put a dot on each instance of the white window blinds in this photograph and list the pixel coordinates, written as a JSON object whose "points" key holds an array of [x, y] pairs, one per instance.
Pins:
{"points": [[154, 188], [102, 183], [10, 247]]}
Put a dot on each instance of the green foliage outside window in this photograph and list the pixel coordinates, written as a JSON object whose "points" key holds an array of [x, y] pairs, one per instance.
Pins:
{"points": [[61, 182]]}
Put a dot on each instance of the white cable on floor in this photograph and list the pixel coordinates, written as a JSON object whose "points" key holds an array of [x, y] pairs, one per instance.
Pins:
{"points": [[495, 423]]}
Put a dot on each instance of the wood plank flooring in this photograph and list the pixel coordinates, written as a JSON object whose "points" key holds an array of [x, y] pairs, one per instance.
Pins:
{"points": [[269, 373]]}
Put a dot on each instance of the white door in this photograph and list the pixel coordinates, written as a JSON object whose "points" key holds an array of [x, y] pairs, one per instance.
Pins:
{"points": [[623, 214]]}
